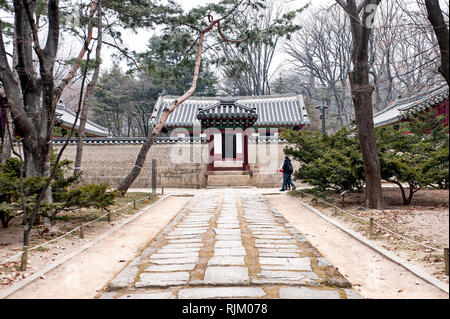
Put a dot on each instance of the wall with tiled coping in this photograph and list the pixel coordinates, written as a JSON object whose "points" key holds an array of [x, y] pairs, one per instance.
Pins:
{"points": [[179, 165]]}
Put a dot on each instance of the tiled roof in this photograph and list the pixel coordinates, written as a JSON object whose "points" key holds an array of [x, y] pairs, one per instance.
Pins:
{"points": [[159, 140], [68, 118], [227, 110], [401, 109], [274, 110]]}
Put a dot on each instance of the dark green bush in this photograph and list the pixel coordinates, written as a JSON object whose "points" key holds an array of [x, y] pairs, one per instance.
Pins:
{"points": [[416, 154], [327, 162], [67, 193]]}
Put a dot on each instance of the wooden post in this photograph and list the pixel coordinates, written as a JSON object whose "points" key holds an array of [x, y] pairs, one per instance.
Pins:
{"points": [[371, 228], [82, 230], [211, 150], [134, 204], [109, 217], [162, 190], [245, 165], [343, 199], [24, 260], [446, 260], [154, 177], [315, 200]]}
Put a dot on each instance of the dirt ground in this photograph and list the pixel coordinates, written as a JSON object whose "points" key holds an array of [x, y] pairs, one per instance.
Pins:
{"points": [[372, 275], [86, 274], [425, 220], [11, 238]]}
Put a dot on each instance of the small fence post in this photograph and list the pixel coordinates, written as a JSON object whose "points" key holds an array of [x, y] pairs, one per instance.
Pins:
{"points": [[154, 172], [343, 198], [315, 200], [82, 230], [446, 260], [371, 228], [109, 217], [134, 204], [162, 190], [24, 260]]}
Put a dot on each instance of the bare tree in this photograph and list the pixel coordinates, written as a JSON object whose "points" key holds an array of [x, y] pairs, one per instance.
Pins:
{"points": [[361, 16], [403, 59], [90, 91], [245, 67], [402, 56], [321, 50], [436, 17]]}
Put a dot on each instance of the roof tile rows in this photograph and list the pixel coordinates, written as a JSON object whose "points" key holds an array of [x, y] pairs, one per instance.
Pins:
{"points": [[68, 118], [401, 109], [275, 110]]}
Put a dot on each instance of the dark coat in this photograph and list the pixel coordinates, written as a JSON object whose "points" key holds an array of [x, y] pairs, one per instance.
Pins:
{"points": [[286, 165]]}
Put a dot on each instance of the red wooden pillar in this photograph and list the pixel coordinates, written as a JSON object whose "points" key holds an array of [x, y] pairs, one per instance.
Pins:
{"points": [[245, 164], [211, 150]]}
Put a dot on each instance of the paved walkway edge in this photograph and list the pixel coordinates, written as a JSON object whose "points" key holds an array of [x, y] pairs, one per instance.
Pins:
{"points": [[419, 273], [54, 265]]}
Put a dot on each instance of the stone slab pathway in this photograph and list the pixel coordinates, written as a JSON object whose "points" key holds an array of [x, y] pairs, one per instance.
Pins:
{"points": [[227, 243]]}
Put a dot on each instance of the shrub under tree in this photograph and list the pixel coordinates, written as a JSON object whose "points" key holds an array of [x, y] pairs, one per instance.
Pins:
{"points": [[414, 153], [327, 162], [68, 195]]}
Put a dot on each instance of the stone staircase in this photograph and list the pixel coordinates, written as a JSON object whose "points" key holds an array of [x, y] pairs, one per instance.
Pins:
{"points": [[228, 179]]}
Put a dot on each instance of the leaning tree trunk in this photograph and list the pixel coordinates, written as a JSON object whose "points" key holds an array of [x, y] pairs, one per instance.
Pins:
{"points": [[8, 133], [9, 130], [155, 130], [89, 93], [442, 34]]}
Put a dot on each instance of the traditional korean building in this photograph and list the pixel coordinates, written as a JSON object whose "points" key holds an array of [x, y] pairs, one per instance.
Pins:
{"points": [[229, 124], [64, 121], [400, 110]]}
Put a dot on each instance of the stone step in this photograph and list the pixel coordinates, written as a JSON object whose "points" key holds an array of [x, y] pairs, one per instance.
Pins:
{"points": [[209, 173], [228, 180], [228, 163]]}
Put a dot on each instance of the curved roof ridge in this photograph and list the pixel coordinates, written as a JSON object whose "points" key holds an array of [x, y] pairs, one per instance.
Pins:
{"points": [[416, 97], [247, 97], [415, 103], [62, 107], [215, 105], [441, 93]]}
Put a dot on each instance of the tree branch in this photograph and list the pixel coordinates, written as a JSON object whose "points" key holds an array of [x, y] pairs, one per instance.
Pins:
{"points": [[84, 49], [124, 52], [34, 29]]}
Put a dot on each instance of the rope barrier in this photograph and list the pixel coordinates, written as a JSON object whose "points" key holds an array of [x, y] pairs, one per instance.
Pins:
{"points": [[344, 211], [73, 230], [375, 223], [10, 258]]}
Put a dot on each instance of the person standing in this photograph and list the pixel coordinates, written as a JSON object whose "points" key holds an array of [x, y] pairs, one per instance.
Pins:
{"points": [[287, 174]]}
